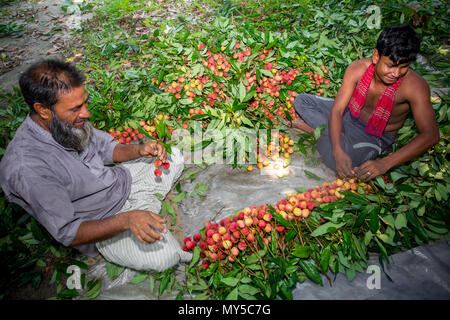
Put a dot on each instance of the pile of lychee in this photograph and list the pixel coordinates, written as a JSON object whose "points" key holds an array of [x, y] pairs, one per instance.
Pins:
{"points": [[281, 145], [158, 164], [126, 136], [237, 235]]}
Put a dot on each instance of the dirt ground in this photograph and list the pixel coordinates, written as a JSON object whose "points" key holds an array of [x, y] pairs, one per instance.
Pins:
{"points": [[43, 30]]}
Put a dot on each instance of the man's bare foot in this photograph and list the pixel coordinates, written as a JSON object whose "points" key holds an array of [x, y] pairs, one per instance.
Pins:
{"points": [[301, 125]]}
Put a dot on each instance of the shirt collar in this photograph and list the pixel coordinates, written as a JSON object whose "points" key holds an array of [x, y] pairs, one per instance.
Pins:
{"points": [[44, 134]]}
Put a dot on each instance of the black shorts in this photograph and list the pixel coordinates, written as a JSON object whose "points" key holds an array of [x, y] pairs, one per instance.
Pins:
{"points": [[356, 143]]}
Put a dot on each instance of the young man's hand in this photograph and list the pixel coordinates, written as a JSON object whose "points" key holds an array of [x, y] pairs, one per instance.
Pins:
{"points": [[344, 165], [153, 149], [370, 169]]}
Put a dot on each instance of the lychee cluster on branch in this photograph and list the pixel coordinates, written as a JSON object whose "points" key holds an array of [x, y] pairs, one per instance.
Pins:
{"points": [[238, 235]]}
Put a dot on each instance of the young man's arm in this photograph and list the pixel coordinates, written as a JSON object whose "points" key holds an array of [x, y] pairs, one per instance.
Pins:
{"points": [[140, 222], [351, 77], [129, 152], [418, 95]]}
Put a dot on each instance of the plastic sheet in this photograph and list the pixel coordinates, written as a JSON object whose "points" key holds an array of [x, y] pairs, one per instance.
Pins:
{"points": [[422, 273], [419, 274]]}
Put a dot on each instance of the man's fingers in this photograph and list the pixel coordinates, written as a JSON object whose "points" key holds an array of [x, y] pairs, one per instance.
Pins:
{"points": [[148, 226], [151, 235], [162, 153], [365, 172], [157, 222], [348, 171], [148, 235]]}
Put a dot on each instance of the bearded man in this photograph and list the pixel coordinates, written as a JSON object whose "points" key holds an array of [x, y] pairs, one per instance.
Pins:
{"points": [[65, 173], [372, 104]]}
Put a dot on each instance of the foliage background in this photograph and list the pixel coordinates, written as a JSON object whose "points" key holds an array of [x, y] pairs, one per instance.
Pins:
{"points": [[123, 47]]}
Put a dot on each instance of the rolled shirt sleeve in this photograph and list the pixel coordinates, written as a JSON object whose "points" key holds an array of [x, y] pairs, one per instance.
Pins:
{"points": [[105, 145]]}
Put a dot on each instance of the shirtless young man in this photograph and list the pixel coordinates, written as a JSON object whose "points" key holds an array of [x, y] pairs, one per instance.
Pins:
{"points": [[363, 121]]}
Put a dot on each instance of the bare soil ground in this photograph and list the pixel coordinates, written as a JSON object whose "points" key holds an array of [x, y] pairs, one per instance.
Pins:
{"points": [[33, 30]]}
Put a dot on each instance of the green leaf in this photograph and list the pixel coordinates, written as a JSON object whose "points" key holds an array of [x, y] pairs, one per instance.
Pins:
{"points": [[185, 101], [202, 285], [368, 237], [190, 174], [312, 175], [230, 281], [350, 273], [247, 289], [286, 291], [195, 256], [310, 269], [382, 249], [301, 252], [80, 264], [139, 277], [290, 235], [405, 187], [151, 284], [41, 263], [280, 220], [359, 247], [246, 280], [164, 282], [343, 259], [202, 296], [249, 95], [267, 73], [442, 191], [94, 291], [441, 230], [396, 176], [246, 121], [354, 198], [159, 195], [416, 227], [325, 258], [113, 270], [170, 209], [318, 131], [68, 294], [385, 238], [274, 241], [374, 220], [233, 295], [326, 227], [400, 221], [242, 92], [362, 216], [252, 259], [179, 197]]}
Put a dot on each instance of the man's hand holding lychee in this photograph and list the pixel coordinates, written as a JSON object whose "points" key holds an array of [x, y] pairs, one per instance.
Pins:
{"points": [[153, 149]]}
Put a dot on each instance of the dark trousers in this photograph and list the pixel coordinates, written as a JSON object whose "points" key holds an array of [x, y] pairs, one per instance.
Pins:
{"points": [[359, 145]]}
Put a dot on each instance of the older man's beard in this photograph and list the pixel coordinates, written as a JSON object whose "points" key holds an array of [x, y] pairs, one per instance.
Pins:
{"points": [[68, 136]]}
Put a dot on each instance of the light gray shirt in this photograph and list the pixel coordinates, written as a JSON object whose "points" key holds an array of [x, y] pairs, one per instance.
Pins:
{"points": [[61, 187]]}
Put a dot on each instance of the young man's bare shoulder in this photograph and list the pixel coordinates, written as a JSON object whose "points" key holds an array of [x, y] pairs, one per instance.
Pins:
{"points": [[414, 84], [357, 68]]}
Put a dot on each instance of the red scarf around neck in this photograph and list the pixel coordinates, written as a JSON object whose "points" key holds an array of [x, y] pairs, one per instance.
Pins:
{"points": [[382, 112]]}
